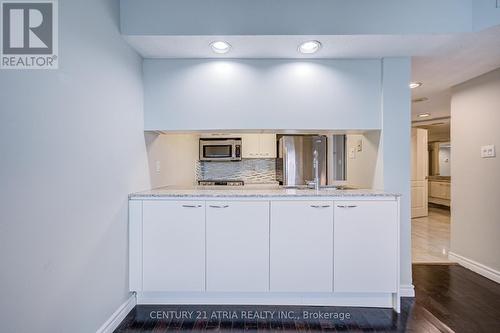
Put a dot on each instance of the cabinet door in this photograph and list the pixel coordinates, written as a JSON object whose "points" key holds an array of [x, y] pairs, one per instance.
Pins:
{"points": [[267, 145], [444, 190], [301, 246], [432, 189], [238, 246], [250, 146], [365, 246], [173, 246], [447, 191]]}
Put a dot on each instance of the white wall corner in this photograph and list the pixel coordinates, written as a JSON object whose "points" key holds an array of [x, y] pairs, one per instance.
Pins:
{"points": [[117, 317], [475, 266], [396, 133], [406, 290]]}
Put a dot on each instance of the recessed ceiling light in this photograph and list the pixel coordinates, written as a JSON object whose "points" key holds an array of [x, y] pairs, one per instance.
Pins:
{"points": [[309, 47], [424, 115], [414, 85], [220, 47], [418, 100]]}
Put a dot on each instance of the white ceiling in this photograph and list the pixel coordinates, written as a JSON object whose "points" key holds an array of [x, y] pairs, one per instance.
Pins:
{"points": [[461, 58], [440, 61]]}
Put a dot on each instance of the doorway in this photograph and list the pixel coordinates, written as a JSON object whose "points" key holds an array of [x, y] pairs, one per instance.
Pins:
{"points": [[430, 191]]}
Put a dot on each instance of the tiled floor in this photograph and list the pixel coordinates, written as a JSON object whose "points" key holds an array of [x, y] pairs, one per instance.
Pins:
{"points": [[430, 237]]}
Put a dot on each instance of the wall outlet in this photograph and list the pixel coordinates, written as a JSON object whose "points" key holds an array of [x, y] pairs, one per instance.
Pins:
{"points": [[158, 166], [488, 151]]}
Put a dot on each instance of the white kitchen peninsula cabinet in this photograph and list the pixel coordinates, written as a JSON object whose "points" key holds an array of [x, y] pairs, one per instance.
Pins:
{"points": [[173, 245], [273, 246], [366, 246], [237, 246], [301, 258]]}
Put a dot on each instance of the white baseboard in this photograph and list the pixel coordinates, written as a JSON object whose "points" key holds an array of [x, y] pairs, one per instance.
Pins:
{"points": [[474, 266], [116, 318], [406, 290], [382, 300]]}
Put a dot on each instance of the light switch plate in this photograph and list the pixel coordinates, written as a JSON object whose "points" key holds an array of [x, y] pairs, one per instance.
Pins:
{"points": [[359, 145], [488, 151], [158, 166], [352, 153]]}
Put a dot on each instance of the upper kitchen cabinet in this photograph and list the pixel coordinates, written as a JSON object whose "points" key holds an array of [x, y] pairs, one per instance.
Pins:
{"points": [[190, 94], [250, 145], [267, 145], [259, 145]]}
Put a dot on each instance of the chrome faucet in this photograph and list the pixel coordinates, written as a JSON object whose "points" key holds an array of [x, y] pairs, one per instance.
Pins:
{"points": [[315, 184], [316, 170]]}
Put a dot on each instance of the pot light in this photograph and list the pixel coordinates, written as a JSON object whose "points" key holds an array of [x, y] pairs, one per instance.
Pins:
{"points": [[424, 115], [414, 85], [419, 100], [309, 47], [220, 47]]}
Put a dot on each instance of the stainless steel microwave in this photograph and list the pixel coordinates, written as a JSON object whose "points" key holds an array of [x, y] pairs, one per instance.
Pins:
{"points": [[218, 149]]}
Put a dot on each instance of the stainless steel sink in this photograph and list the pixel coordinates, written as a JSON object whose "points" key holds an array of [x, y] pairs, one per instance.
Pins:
{"points": [[337, 188]]}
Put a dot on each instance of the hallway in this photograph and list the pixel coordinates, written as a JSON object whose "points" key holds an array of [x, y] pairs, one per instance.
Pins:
{"points": [[430, 237]]}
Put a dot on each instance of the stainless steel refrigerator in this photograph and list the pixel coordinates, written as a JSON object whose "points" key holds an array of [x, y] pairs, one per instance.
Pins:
{"points": [[296, 156]]}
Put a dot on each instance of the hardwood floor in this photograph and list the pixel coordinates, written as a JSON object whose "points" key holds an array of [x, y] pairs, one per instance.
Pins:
{"points": [[430, 237], [448, 298], [465, 301]]}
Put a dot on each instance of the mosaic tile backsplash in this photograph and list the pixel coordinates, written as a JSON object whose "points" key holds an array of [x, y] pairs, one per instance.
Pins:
{"points": [[251, 170]]}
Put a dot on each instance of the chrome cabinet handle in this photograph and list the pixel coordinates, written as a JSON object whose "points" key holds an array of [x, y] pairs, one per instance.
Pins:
{"points": [[347, 206], [213, 206], [320, 206], [191, 206]]}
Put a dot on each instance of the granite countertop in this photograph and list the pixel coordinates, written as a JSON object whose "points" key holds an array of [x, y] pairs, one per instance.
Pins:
{"points": [[261, 192], [440, 178]]}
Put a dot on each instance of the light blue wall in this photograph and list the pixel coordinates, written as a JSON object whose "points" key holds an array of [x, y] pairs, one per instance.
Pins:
{"points": [[396, 122], [262, 94], [485, 13], [294, 17], [71, 149]]}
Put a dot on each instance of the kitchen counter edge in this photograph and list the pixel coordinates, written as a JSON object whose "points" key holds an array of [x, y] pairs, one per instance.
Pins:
{"points": [[277, 193]]}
